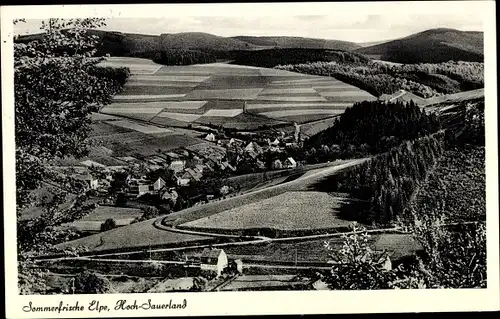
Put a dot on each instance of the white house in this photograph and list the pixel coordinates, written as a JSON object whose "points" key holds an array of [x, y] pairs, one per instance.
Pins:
{"points": [[158, 184], [290, 163], [182, 181], [213, 260], [210, 137]]}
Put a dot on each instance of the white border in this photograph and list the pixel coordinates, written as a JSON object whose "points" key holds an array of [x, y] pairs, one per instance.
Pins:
{"points": [[252, 303]]}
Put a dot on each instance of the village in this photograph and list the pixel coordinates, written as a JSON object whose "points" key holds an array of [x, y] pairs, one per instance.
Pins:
{"points": [[178, 178]]}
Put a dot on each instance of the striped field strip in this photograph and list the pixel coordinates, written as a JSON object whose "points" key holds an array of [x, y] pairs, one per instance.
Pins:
{"points": [[223, 112], [275, 105], [149, 110], [226, 94], [168, 78], [174, 78], [345, 93], [148, 129], [147, 97], [301, 112], [334, 85], [291, 98], [166, 85], [186, 105], [288, 90], [313, 80], [180, 116]]}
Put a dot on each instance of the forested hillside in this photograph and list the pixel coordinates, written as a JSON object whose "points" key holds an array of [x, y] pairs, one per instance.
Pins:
{"points": [[370, 128], [299, 42], [272, 57], [432, 46], [424, 80]]}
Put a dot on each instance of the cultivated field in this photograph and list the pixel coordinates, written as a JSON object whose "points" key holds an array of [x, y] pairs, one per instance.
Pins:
{"points": [[216, 94], [291, 211]]}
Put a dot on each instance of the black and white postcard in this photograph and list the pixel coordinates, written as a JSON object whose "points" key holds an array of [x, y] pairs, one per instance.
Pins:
{"points": [[254, 158]]}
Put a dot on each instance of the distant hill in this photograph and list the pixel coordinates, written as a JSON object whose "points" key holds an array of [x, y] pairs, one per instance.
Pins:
{"points": [[119, 44], [431, 46], [199, 40], [299, 42]]}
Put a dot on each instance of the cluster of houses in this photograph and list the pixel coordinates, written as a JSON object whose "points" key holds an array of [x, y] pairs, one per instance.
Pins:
{"points": [[255, 148]]}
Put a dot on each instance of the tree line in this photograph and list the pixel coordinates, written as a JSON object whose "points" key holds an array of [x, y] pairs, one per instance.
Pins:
{"points": [[370, 127]]}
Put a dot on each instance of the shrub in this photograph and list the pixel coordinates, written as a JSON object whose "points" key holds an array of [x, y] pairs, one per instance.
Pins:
{"points": [[108, 224], [89, 282]]}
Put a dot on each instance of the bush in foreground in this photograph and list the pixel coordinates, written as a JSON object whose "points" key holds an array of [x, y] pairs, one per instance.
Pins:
{"points": [[89, 282]]}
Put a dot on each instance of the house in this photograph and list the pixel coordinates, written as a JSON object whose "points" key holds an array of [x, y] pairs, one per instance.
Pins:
{"points": [[199, 167], [210, 137], [192, 175], [235, 142], [290, 163], [213, 260], [173, 155], [90, 181], [159, 184], [144, 189], [260, 164], [177, 165], [239, 266], [276, 142], [182, 181]]}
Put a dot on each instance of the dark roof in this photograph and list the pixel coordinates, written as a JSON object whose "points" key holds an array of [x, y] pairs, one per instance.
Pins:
{"points": [[211, 253]]}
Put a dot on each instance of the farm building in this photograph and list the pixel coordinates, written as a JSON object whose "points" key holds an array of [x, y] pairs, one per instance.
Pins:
{"points": [[214, 260], [290, 163]]}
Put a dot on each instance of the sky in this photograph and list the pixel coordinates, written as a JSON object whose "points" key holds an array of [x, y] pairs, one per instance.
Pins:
{"points": [[340, 21]]}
